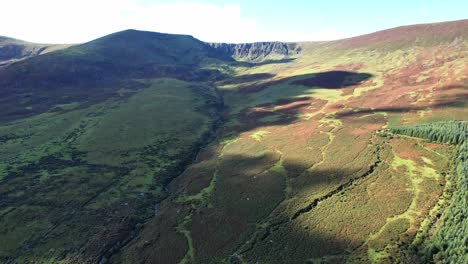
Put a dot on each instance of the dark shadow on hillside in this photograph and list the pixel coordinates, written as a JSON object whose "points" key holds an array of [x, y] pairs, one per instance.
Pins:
{"points": [[334, 79], [319, 80], [264, 62]]}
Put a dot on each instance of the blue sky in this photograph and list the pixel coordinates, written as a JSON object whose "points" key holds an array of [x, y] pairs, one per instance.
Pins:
{"points": [[72, 21], [353, 17]]}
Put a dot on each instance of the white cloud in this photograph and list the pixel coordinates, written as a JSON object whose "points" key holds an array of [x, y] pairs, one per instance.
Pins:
{"points": [[61, 21], [207, 22]]}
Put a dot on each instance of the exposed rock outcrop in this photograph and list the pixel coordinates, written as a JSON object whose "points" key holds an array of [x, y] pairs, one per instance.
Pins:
{"points": [[257, 51]]}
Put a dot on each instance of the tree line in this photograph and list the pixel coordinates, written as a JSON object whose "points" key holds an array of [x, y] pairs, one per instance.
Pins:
{"points": [[449, 244]]}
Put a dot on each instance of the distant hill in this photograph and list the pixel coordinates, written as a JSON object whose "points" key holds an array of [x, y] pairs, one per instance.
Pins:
{"points": [[453, 32], [13, 49]]}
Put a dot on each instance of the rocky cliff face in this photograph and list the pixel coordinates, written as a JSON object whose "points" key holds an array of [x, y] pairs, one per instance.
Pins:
{"points": [[256, 51]]}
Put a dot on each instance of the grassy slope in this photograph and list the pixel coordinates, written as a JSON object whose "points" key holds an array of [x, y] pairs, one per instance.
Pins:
{"points": [[98, 67], [71, 170], [80, 174]]}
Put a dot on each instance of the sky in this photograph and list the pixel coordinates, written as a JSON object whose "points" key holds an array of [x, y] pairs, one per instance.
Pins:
{"points": [[234, 21]]}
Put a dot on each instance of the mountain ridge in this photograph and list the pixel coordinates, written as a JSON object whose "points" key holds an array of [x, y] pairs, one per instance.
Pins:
{"points": [[257, 51], [409, 34]]}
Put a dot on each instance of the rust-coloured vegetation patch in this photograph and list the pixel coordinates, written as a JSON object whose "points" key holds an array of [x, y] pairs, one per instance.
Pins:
{"points": [[406, 149], [282, 112], [402, 36]]}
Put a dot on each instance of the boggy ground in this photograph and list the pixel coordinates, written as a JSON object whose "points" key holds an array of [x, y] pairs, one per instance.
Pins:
{"points": [[299, 172]]}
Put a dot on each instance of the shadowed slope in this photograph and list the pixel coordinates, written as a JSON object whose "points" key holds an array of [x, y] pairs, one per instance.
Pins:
{"points": [[96, 70]]}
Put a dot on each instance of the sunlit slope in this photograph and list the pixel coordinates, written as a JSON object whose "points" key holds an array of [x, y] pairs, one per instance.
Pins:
{"points": [[423, 35], [300, 173]]}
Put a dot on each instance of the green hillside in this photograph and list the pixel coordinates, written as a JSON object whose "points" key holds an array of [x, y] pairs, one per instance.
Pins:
{"points": [[143, 147], [89, 142], [97, 68]]}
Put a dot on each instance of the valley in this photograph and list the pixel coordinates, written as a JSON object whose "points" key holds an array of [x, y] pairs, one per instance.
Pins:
{"points": [[142, 147]]}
